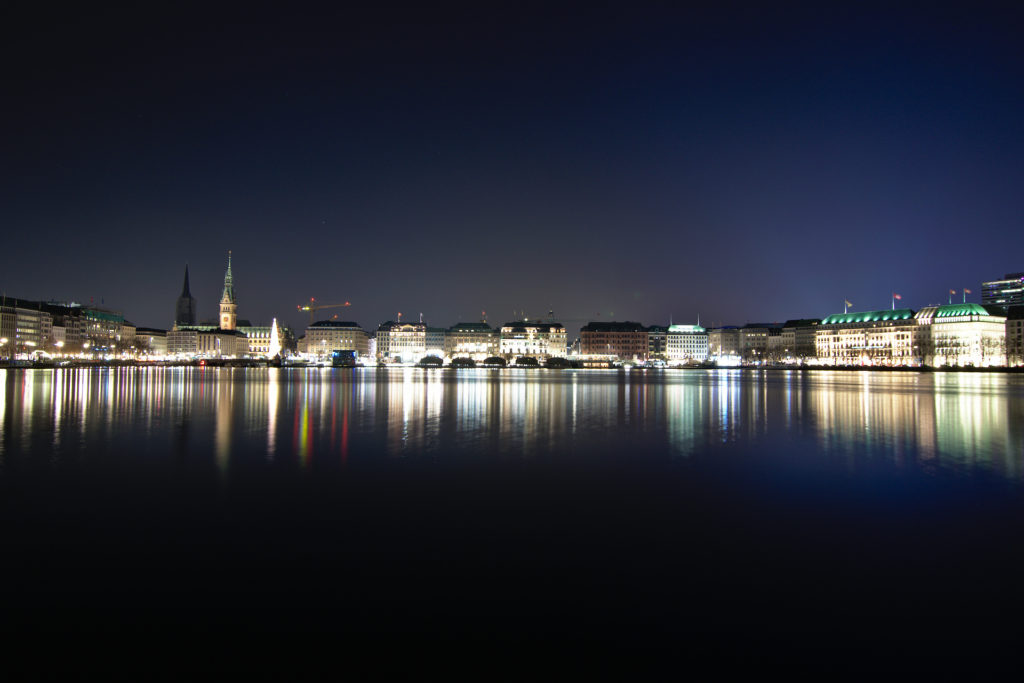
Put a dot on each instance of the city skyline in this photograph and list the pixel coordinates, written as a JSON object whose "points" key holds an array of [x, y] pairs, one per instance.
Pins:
{"points": [[737, 163], [296, 319]]}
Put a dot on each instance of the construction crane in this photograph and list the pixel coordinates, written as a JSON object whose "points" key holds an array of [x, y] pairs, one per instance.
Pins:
{"points": [[313, 307]]}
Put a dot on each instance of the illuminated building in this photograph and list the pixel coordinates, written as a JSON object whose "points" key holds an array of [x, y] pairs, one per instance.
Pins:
{"points": [[1006, 292], [687, 344], [723, 342], [797, 340], [869, 338], [218, 343], [206, 341], [625, 340], [185, 310], [150, 341], [182, 341], [657, 341], [753, 340], [962, 335], [25, 325], [399, 342], [1015, 336], [324, 337], [433, 340], [540, 340], [472, 340], [228, 307], [260, 338]]}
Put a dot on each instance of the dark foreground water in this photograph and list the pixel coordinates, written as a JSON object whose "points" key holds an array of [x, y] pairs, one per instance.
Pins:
{"points": [[524, 524]]}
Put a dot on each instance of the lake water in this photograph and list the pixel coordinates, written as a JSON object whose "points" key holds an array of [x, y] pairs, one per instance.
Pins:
{"points": [[468, 515]]}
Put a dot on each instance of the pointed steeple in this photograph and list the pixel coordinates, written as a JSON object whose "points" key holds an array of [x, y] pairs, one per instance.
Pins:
{"points": [[185, 310], [229, 285], [228, 307]]}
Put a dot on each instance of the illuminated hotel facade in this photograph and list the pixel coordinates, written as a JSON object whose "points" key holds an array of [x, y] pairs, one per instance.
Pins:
{"points": [[961, 335], [478, 341], [889, 338], [957, 335], [540, 340], [686, 344], [399, 342]]}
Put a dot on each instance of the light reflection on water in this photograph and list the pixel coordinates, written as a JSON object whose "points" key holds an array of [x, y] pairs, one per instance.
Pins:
{"points": [[313, 418]]}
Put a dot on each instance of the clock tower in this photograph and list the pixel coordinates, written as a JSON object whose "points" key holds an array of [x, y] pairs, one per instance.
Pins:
{"points": [[228, 307]]}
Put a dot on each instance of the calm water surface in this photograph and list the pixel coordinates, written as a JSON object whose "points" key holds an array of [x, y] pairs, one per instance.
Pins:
{"points": [[479, 522], [329, 419]]}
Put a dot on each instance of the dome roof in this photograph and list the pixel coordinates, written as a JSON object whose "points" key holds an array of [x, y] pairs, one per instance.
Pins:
{"points": [[958, 310], [868, 316]]}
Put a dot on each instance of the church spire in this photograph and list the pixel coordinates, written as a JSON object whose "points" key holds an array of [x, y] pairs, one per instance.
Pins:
{"points": [[185, 310], [228, 307], [229, 285]]}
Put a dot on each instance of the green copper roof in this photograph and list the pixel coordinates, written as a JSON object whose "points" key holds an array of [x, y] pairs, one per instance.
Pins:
{"points": [[868, 316], [957, 310], [229, 285]]}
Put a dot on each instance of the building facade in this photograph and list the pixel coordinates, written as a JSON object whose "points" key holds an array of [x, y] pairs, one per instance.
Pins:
{"points": [[625, 340], [1015, 336], [527, 339], [686, 344], [1006, 292], [754, 341], [25, 327], [325, 337], [478, 341], [723, 342], [657, 342], [399, 342], [796, 343], [433, 340], [961, 335], [888, 338], [150, 341]]}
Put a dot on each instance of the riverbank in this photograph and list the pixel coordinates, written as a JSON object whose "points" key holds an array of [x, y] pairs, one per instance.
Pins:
{"points": [[574, 367]]}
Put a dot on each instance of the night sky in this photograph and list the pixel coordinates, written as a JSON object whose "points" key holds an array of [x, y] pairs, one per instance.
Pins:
{"points": [[741, 164]]}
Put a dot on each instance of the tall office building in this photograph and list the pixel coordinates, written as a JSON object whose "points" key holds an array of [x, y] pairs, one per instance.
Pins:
{"points": [[1006, 292], [185, 311]]}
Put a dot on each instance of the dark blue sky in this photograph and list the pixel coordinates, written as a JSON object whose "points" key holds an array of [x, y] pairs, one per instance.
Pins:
{"points": [[744, 164]]}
